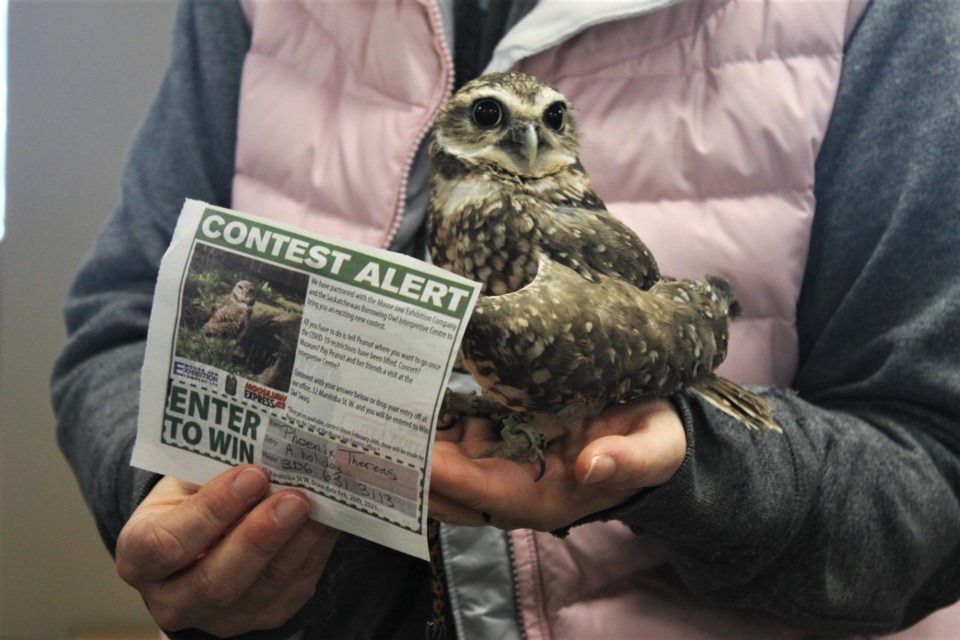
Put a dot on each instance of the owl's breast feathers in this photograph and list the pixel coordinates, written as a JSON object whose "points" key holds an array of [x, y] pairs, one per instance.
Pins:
{"points": [[492, 226]]}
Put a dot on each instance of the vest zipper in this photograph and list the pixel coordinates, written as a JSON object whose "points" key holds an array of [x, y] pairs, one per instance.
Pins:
{"points": [[511, 558], [436, 21]]}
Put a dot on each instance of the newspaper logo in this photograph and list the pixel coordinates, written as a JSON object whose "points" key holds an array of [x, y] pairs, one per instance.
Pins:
{"points": [[264, 396], [195, 373]]}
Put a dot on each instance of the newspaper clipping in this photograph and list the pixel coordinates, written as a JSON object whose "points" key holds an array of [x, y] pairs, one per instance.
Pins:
{"points": [[323, 361]]}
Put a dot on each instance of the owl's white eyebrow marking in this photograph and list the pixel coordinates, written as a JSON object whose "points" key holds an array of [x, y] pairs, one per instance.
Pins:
{"points": [[451, 147]]}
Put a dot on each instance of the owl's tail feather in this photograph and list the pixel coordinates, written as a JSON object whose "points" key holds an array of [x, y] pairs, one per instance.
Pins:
{"points": [[749, 408]]}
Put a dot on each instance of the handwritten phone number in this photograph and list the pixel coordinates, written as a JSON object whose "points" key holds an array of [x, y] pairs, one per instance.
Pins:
{"points": [[358, 490]]}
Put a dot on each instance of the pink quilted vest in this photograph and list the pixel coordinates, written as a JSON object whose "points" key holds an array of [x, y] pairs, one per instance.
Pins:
{"points": [[721, 106]]}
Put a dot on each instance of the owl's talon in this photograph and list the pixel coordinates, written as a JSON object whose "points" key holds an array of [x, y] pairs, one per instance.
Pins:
{"points": [[520, 443], [458, 403], [543, 464], [513, 428], [446, 422]]}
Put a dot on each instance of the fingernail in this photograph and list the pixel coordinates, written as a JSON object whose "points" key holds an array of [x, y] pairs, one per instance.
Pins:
{"points": [[290, 511], [249, 484], [601, 468]]}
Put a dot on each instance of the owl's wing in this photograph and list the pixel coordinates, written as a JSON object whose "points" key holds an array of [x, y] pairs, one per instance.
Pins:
{"points": [[560, 340], [592, 241]]}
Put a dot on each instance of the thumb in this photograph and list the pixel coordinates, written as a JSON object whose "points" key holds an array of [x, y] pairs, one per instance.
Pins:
{"points": [[649, 455]]}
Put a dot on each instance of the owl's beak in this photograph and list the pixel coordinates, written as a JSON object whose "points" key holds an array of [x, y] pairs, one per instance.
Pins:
{"points": [[530, 143], [523, 143]]}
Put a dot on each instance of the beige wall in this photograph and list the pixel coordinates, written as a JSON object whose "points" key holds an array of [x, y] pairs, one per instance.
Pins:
{"points": [[81, 75]]}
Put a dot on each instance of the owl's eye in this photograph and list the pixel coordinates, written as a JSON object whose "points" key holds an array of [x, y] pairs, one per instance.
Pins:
{"points": [[487, 113], [555, 115]]}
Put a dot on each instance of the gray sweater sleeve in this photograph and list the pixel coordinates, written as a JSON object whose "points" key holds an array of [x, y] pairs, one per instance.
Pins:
{"points": [[184, 148], [850, 520]]}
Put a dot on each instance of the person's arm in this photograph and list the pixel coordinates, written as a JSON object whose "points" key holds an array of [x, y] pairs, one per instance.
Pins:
{"points": [[198, 553], [849, 521], [184, 148]]}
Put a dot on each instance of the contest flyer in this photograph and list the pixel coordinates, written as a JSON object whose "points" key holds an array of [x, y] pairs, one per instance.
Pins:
{"points": [[323, 361]]}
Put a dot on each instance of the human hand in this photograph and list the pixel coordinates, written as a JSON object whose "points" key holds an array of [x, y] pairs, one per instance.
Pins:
{"points": [[625, 449], [222, 557]]}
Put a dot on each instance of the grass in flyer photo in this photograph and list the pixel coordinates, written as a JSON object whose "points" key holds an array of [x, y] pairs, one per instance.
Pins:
{"points": [[241, 315]]}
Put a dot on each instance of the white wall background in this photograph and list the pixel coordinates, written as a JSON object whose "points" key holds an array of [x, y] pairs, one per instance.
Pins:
{"points": [[81, 74]]}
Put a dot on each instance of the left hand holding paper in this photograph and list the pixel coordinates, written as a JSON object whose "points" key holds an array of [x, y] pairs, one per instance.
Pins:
{"points": [[223, 557]]}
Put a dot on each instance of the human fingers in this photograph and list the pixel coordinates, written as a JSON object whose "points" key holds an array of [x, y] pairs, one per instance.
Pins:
{"points": [[449, 431], [479, 491], [234, 564], [214, 594], [473, 432], [281, 589], [624, 450], [290, 580], [649, 452], [178, 522], [450, 511], [302, 558]]}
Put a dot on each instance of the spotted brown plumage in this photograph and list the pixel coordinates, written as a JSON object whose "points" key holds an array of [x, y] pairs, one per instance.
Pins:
{"points": [[230, 319], [574, 314]]}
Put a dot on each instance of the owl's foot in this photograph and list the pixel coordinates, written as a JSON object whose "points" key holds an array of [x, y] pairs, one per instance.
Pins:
{"points": [[456, 404], [521, 442]]}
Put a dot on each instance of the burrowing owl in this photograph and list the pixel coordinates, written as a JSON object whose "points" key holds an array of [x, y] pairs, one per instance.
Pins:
{"points": [[231, 317], [575, 315]]}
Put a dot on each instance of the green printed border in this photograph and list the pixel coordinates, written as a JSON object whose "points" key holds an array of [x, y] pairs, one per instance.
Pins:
{"points": [[241, 401], [193, 385], [349, 268]]}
